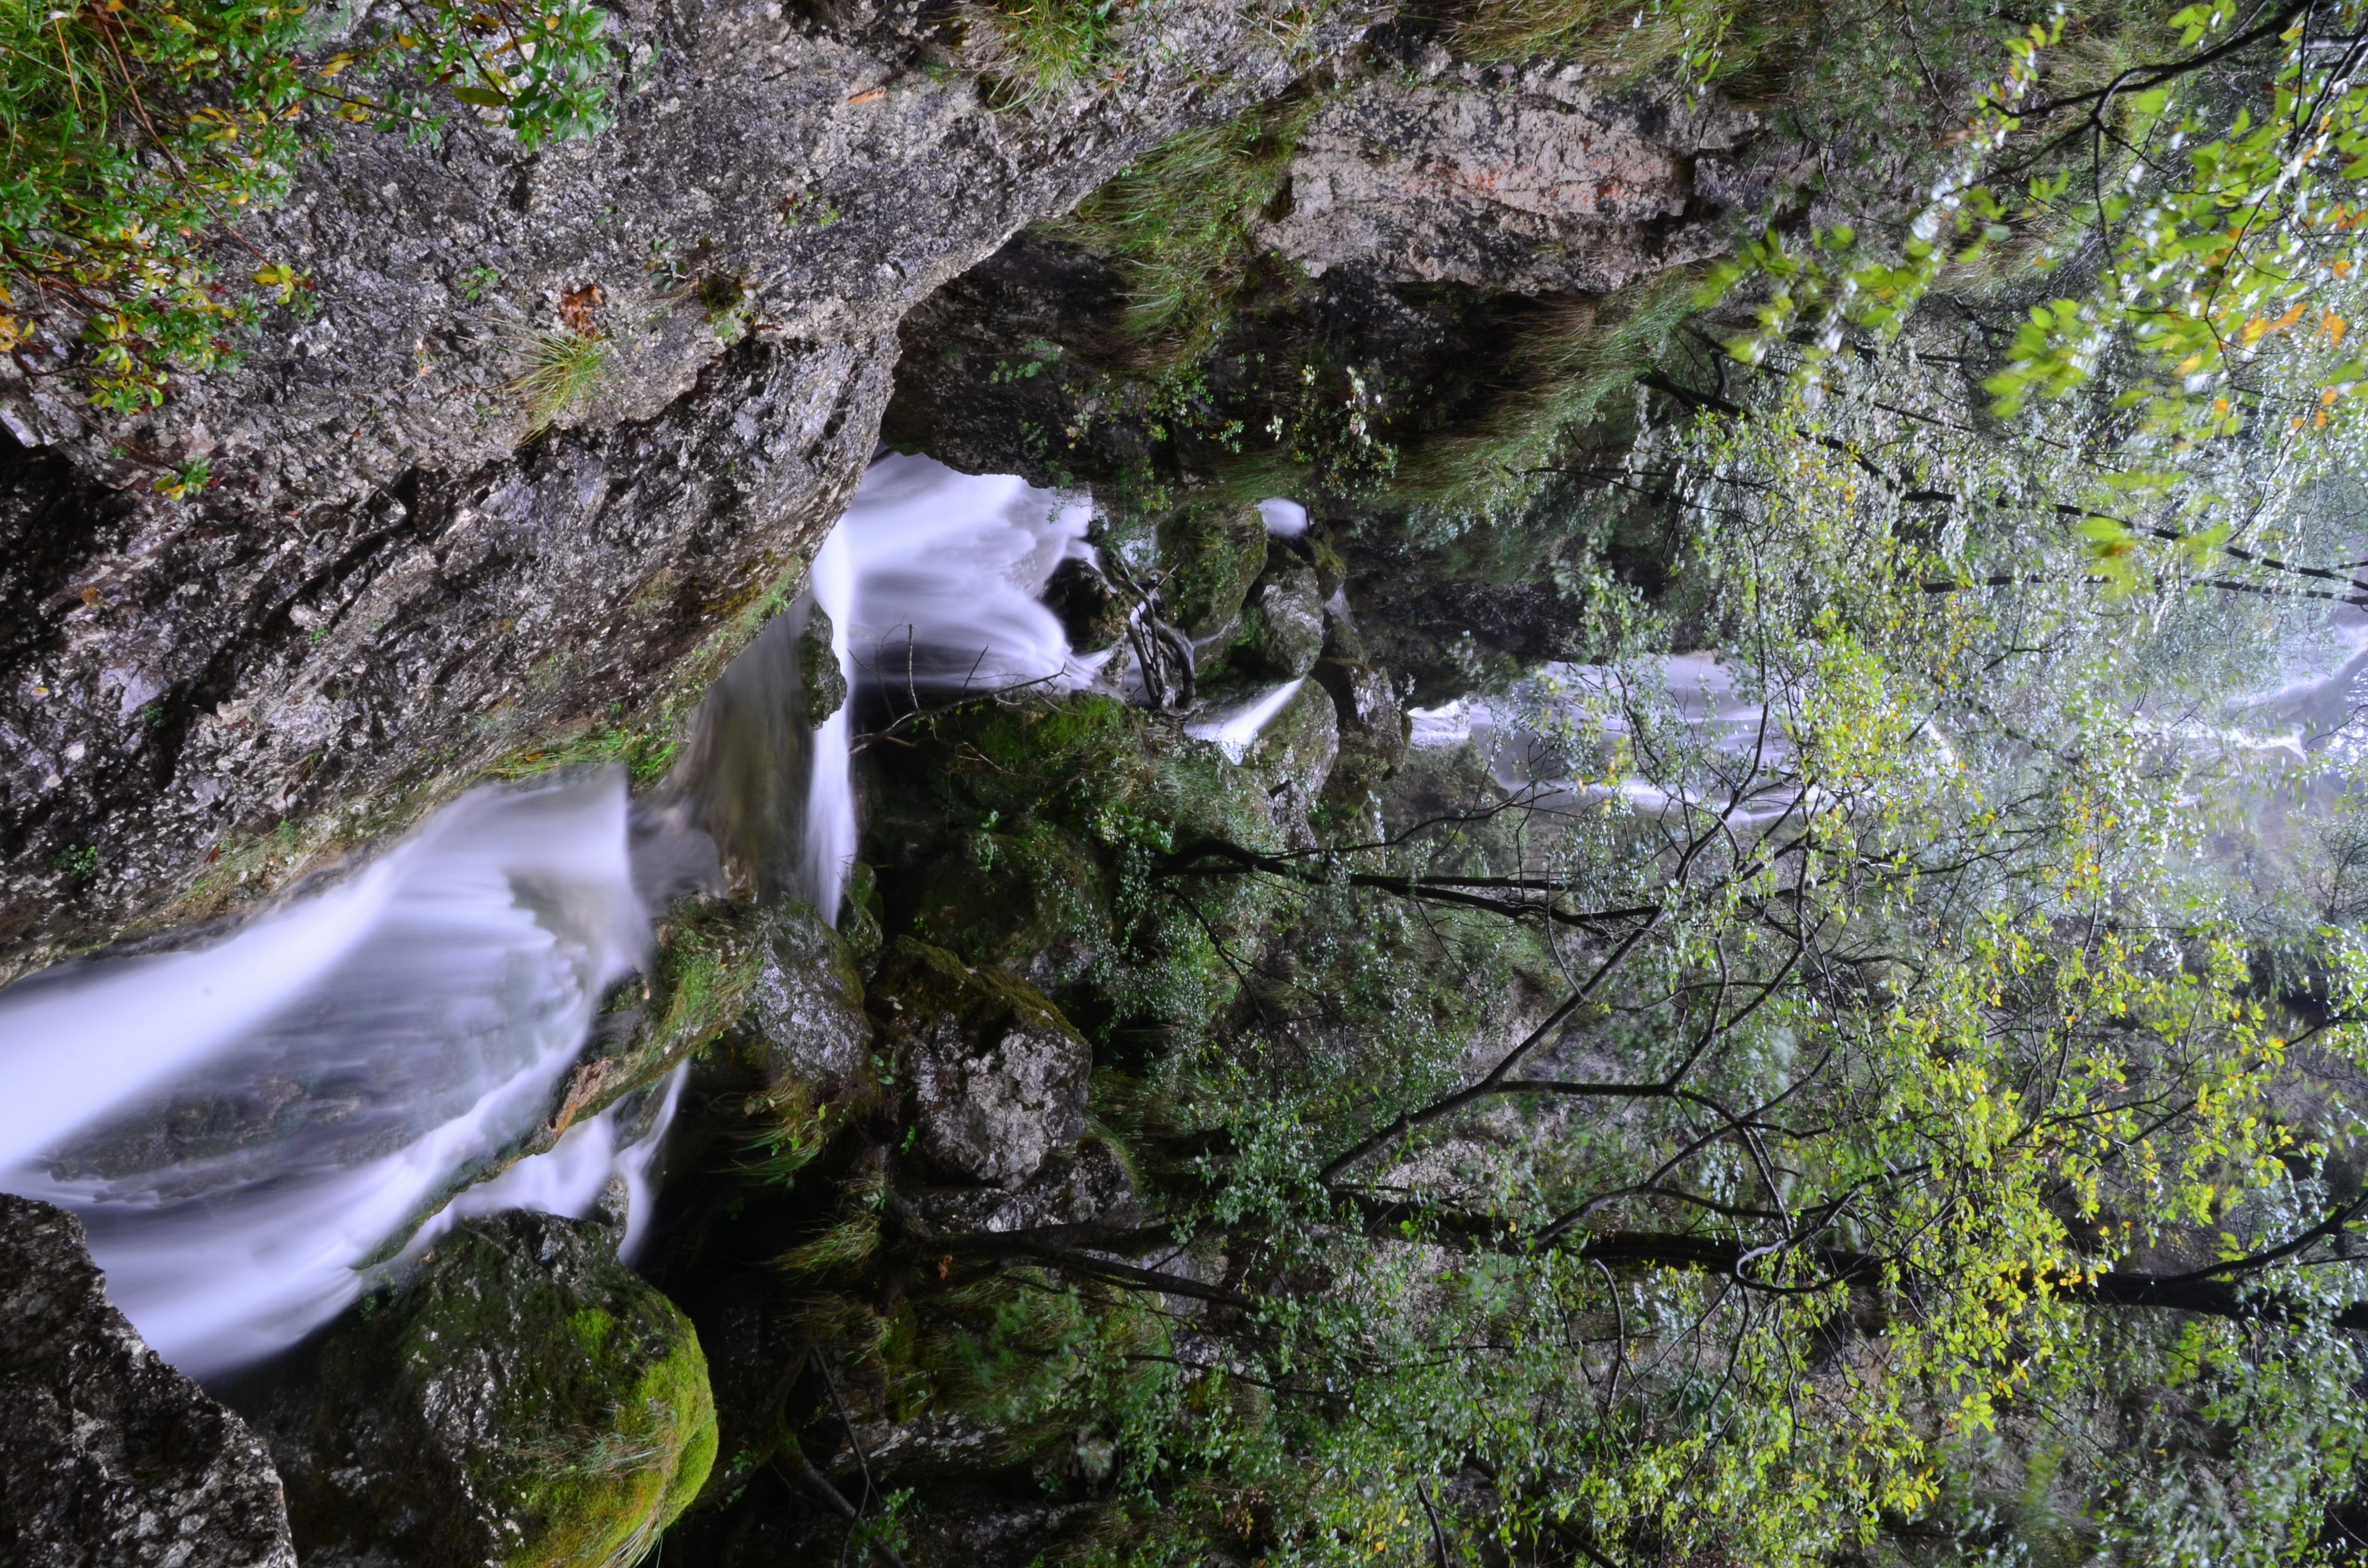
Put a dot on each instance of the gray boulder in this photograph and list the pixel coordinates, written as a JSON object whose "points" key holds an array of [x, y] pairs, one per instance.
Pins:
{"points": [[108, 1457], [807, 1002], [1374, 726], [1291, 623], [998, 1076], [1091, 1185]]}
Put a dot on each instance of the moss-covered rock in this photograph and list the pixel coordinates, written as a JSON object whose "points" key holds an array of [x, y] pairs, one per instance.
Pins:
{"points": [[1031, 901], [822, 684], [1213, 554], [518, 1398], [998, 1076]]}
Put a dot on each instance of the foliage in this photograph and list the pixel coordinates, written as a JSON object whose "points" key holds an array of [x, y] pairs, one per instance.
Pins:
{"points": [[2219, 236], [137, 135], [1178, 220]]}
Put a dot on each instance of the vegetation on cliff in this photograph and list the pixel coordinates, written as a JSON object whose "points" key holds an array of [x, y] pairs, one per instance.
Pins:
{"points": [[1898, 1105]]}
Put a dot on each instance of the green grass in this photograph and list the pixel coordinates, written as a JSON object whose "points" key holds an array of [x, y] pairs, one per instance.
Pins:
{"points": [[1628, 38], [1041, 50], [1177, 222], [562, 370]]}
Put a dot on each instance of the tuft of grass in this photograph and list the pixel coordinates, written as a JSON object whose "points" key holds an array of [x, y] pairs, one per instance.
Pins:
{"points": [[1179, 219], [1040, 51], [563, 368], [1576, 361], [1705, 39], [847, 1245]]}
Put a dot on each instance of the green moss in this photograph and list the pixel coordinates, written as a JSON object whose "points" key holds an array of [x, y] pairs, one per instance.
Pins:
{"points": [[1212, 555], [521, 1397]]}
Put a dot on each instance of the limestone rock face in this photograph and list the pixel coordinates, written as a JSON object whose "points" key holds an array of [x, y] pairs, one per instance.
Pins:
{"points": [[1291, 623], [999, 1076], [1372, 726], [808, 1003], [108, 1457], [1539, 183], [520, 1397], [390, 584]]}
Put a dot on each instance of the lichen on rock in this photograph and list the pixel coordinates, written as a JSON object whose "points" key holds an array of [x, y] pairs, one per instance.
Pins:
{"points": [[517, 1397]]}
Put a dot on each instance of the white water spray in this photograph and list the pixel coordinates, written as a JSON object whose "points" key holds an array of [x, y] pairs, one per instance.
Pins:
{"points": [[243, 1127]]}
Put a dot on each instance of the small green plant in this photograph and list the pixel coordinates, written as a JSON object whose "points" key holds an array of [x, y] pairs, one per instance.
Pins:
{"points": [[1043, 49], [479, 281], [723, 295], [79, 862], [808, 207], [131, 135], [1040, 356], [563, 368], [184, 480]]}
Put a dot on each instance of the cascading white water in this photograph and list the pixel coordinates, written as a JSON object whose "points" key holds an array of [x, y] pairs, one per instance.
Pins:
{"points": [[933, 582], [243, 1126]]}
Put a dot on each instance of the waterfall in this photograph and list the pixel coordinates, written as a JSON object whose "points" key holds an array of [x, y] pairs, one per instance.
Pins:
{"points": [[932, 582], [244, 1125], [248, 1125]]}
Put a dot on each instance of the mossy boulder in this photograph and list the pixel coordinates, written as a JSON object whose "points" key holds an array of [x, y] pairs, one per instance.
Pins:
{"points": [[517, 1397], [1031, 901], [998, 1076], [1212, 554], [822, 683], [807, 1005]]}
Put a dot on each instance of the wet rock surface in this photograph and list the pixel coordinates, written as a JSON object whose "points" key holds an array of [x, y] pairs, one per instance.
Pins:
{"points": [[1291, 623], [1373, 727], [108, 1457], [517, 1396], [808, 1005], [998, 1076]]}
